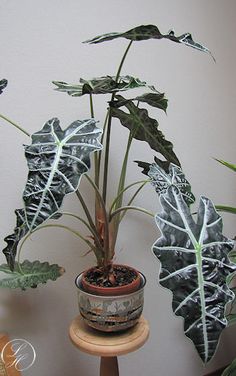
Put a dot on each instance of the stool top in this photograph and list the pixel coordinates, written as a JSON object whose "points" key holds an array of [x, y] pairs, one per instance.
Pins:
{"points": [[104, 344]]}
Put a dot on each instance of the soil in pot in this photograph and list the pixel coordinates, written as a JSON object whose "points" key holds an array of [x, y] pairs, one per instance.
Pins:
{"points": [[118, 280]]}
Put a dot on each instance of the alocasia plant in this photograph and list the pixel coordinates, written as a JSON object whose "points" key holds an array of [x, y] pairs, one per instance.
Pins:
{"points": [[196, 253]]}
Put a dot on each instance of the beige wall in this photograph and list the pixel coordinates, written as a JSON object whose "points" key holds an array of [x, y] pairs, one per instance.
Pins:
{"points": [[40, 41]]}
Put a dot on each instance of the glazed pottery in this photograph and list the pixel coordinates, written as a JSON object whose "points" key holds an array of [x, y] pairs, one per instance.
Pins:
{"points": [[110, 313]]}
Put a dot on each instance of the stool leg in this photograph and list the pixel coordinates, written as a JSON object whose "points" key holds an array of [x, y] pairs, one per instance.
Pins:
{"points": [[109, 366]]}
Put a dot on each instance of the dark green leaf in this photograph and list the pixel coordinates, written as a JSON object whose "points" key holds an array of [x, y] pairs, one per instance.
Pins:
{"points": [[157, 100], [3, 84], [194, 266], [101, 85], [30, 274], [146, 166], [144, 128], [142, 32], [145, 32], [161, 180]]}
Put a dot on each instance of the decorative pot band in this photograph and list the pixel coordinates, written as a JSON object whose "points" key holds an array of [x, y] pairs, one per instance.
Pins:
{"points": [[110, 313]]}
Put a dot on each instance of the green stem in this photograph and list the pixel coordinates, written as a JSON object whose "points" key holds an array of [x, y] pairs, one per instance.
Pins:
{"points": [[102, 142], [133, 197], [123, 172], [108, 133], [143, 182], [91, 105], [86, 210], [94, 233], [99, 256], [96, 176], [117, 211], [15, 125], [118, 204]]}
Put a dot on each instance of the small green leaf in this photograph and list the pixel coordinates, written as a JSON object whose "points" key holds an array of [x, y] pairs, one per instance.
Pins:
{"points": [[100, 85], [145, 32], [144, 128], [30, 274], [3, 84]]}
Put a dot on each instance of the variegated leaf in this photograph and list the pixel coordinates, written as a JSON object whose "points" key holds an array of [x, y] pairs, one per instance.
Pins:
{"points": [[100, 85], [194, 266], [29, 274], [56, 159], [161, 180]]}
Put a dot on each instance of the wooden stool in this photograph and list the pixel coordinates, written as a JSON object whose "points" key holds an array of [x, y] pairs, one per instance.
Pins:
{"points": [[108, 345]]}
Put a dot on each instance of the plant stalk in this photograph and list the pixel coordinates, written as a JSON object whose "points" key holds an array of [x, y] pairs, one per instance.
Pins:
{"points": [[117, 211], [108, 134], [14, 124]]}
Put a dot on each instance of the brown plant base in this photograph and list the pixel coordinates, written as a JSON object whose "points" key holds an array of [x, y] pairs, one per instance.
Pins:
{"points": [[115, 279], [118, 276]]}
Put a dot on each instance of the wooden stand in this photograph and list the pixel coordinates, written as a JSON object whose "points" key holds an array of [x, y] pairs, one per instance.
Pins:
{"points": [[108, 345]]}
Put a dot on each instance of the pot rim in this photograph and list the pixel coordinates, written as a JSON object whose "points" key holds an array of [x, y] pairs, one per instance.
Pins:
{"points": [[78, 283]]}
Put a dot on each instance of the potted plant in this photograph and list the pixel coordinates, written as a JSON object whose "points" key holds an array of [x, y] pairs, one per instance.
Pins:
{"points": [[58, 158]]}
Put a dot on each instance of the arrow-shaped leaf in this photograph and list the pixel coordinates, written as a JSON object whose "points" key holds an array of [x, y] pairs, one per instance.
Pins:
{"points": [[101, 85], [144, 128], [3, 84], [56, 159], [30, 274], [194, 266], [145, 32]]}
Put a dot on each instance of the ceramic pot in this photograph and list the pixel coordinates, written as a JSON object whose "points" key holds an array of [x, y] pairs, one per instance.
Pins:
{"points": [[110, 313]]}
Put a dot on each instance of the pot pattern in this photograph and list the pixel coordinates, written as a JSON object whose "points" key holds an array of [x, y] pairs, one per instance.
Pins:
{"points": [[111, 313]]}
